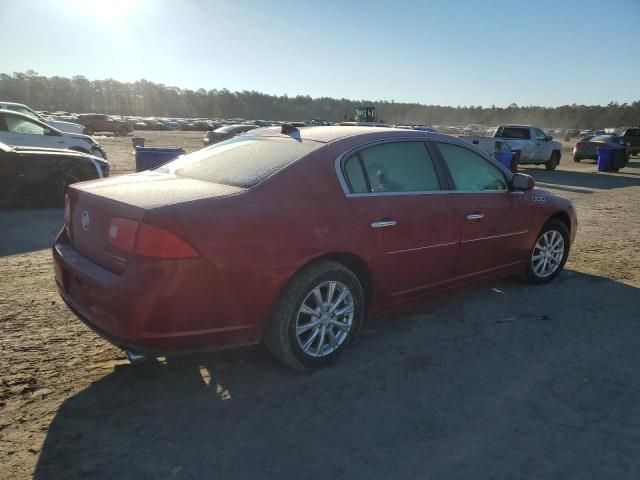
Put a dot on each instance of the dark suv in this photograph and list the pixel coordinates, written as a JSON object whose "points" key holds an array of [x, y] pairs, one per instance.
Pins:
{"points": [[631, 137], [94, 122]]}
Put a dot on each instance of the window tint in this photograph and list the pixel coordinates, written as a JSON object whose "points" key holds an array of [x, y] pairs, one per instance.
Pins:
{"points": [[471, 172], [355, 175], [241, 161], [513, 132], [399, 167], [19, 125]]}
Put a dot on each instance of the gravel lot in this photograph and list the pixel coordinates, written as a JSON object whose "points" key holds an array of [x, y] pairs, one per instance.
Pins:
{"points": [[499, 381]]}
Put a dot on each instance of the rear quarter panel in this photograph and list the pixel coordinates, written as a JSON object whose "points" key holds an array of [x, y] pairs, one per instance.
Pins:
{"points": [[258, 239]]}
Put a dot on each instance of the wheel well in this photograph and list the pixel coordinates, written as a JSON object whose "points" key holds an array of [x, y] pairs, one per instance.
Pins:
{"points": [[558, 152], [356, 265], [562, 217]]}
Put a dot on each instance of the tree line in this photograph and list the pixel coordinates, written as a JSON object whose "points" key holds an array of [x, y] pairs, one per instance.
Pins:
{"points": [[147, 99]]}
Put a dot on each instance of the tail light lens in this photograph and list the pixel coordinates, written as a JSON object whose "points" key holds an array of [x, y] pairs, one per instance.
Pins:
{"points": [[122, 234], [148, 241], [579, 144]]}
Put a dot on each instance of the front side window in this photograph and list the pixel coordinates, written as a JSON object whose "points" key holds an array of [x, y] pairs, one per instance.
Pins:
{"points": [[392, 167], [20, 125], [471, 172], [540, 135]]}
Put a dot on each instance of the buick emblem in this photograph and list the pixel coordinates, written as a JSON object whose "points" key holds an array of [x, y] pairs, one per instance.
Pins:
{"points": [[85, 220]]}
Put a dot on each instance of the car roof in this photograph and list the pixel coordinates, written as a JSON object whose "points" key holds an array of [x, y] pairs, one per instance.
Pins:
{"points": [[14, 104], [327, 134]]}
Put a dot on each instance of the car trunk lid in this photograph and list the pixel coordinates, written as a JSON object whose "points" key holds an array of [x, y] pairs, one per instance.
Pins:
{"points": [[94, 205]]}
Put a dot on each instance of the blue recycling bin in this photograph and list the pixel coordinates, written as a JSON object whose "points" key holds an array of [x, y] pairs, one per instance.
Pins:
{"points": [[149, 157], [504, 158], [605, 158]]}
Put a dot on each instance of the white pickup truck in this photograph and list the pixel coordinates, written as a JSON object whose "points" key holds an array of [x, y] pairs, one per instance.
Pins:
{"points": [[528, 143]]}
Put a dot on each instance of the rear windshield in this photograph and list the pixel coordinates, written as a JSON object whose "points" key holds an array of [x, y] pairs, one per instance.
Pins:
{"points": [[512, 132], [241, 161]]}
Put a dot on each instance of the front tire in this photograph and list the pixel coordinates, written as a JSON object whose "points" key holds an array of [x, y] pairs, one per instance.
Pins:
{"points": [[123, 130], [317, 316], [553, 161], [549, 254]]}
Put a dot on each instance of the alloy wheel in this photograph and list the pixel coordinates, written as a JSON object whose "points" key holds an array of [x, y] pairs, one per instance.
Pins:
{"points": [[548, 253], [324, 319]]}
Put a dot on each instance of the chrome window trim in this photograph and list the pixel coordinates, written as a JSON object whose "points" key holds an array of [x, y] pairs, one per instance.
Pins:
{"points": [[433, 192], [441, 138]]}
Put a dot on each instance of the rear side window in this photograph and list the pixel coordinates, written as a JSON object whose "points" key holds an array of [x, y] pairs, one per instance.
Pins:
{"points": [[471, 172], [392, 167], [241, 161], [513, 132]]}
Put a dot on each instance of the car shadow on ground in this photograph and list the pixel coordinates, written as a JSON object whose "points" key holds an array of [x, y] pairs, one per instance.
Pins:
{"points": [[28, 229], [584, 180], [512, 381]]}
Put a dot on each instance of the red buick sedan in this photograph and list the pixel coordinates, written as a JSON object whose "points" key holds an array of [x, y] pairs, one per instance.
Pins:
{"points": [[291, 237]]}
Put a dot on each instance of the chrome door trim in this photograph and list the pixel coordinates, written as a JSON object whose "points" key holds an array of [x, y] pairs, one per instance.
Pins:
{"points": [[449, 244], [490, 237]]}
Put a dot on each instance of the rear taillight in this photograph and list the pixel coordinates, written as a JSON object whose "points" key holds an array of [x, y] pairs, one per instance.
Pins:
{"points": [[159, 243], [579, 144], [130, 236], [67, 210], [122, 234]]}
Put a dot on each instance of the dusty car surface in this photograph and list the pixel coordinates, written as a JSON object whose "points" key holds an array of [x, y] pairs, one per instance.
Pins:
{"points": [[292, 237]]}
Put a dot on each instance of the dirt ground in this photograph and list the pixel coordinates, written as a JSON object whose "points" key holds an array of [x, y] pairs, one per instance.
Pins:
{"points": [[499, 381]]}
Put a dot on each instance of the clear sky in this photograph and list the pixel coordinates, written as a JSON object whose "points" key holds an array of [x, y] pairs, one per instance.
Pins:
{"points": [[448, 52]]}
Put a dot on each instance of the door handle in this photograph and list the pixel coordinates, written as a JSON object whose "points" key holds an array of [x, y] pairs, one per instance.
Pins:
{"points": [[475, 216], [383, 223]]}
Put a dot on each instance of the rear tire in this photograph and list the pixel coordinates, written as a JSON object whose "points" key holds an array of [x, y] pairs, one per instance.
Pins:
{"points": [[58, 185], [553, 162], [123, 130], [89, 130], [317, 316], [549, 254], [576, 159]]}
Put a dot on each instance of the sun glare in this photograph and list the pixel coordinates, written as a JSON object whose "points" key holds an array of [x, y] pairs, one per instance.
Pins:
{"points": [[103, 11]]}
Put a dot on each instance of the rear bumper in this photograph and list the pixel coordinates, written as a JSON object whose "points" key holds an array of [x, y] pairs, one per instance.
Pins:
{"points": [[155, 308]]}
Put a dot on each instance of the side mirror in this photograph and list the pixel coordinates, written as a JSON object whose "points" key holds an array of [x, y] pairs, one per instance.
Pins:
{"points": [[523, 182], [549, 138]]}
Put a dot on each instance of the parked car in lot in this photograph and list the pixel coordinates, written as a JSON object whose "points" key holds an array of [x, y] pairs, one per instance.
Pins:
{"points": [[68, 127], [631, 138], [94, 122], [22, 130], [291, 236], [226, 132], [586, 148], [42, 175]]}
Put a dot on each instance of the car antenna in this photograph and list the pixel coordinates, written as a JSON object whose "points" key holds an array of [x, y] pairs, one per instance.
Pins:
{"points": [[288, 129]]}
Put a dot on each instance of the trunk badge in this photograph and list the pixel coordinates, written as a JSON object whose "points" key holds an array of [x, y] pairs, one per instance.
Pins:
{"points": [[85, 220]]}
